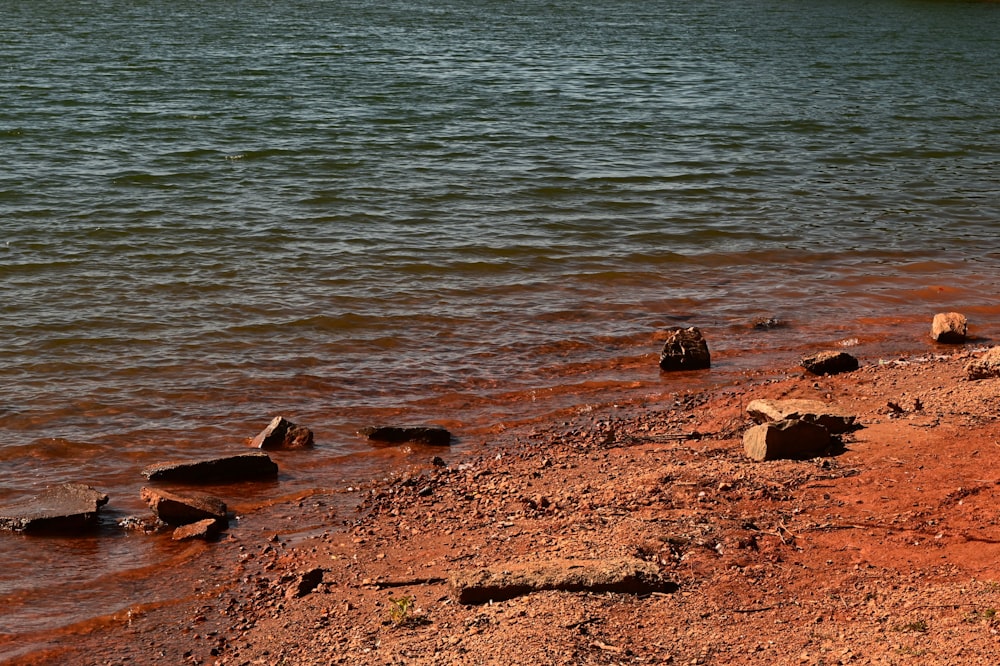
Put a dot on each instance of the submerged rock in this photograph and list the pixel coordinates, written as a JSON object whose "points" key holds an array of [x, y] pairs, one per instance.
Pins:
{"points": [[181, 510], [65, 509], [830, 363], [950, 328], [433, 435], [791, 438], [244, 467], [283, 434], [685, 349], [813, 411]]}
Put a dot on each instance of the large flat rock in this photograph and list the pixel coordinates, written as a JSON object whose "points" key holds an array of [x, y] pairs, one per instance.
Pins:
{"points": [[252, 466], [65, 509], [627, 576], [834, 420], [176, 509]]}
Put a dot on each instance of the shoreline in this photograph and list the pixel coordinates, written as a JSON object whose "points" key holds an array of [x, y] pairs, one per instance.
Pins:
{"points": [[885, 551]]}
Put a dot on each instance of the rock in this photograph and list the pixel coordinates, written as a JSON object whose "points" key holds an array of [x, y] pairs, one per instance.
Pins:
{"points": [[767, 323], [433, 435], [627, 576], [949, 327], [830, 363], [685, 349], [306, 582], [177, 510], [244, 467], [985, 366], [206, 529], [813, 411], [798, 440], [65, 509], [283, 434]]}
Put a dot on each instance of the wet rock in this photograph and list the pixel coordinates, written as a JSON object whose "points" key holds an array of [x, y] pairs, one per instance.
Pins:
{"points": [[283, 434], [787, 439], [627, 576], [65, 509], [950, 328], [244, 467], [813, 411], [830, 363], [434, 435], [306, 582], [181, 510], [685, 349], [985, 366], [767, 323], [206, 530]]}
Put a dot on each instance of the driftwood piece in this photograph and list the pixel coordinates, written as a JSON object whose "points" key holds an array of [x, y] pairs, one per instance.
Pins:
{"points": [[626, 576]]}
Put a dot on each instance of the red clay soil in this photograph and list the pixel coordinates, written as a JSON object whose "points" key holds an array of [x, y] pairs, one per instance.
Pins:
{"points": [[884, 552]]}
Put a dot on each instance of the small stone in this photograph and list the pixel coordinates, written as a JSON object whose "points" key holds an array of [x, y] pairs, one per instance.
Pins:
{"points": [[281, 433], [685, 349], [950, 328], [830, 363], [206, 529], [181, 510]]}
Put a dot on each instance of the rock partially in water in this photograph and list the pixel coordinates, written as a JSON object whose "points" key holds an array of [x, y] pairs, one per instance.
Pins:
{"points": [[206, 530], [229, 469], [433, 435], [181, 510], [685, 349], [283, 434], [69, 508], [830, 363], [813, 411], [950, 328], [788, 439]]}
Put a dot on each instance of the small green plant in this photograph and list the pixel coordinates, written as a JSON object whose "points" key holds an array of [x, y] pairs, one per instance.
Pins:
{"points": [[917, 626], [982, 615], [401, 611]]}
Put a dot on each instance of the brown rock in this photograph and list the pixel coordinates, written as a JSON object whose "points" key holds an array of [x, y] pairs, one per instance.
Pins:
{"points": [[283, 434], [797, 440], [949, 327], [244, 467], [813, 411], [627, 576], [63, 509], [830, 363], [685, 349], [985, 366], [177, 510], [206, 529], [305, 582], [435, 436]]}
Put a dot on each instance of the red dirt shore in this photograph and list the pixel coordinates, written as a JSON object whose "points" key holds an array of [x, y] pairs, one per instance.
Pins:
{"points": [[886, 552]]}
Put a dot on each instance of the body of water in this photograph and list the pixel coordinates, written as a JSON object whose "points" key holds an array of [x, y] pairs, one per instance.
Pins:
{"points": [[469, 213]]}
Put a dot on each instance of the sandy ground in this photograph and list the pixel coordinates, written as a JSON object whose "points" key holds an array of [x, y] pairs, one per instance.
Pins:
{"points": [[884, 552]]}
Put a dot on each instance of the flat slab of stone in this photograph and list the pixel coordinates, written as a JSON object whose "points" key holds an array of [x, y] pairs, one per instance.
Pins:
{"points": [[625, 576], [950, 328], [985, 366], [432, 435], [181, 510], [65, 509], [282, 434], [685, 349], [252, 466], [788, 439], [830, 363], [813, 411], [206, 530]]}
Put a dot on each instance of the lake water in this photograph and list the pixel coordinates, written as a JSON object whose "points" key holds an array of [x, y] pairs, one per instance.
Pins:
{"points": [[466, 213]]}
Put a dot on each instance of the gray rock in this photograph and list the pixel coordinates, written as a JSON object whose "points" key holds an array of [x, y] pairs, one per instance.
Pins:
{"points": [[797, 440], [434, 435], [206, 530], [685, 349], [813, 411], [950, 328], [244, 467], [830, 363], [627, 576], [181, 510], [985, 366], [65, 509], [283, 434]]}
